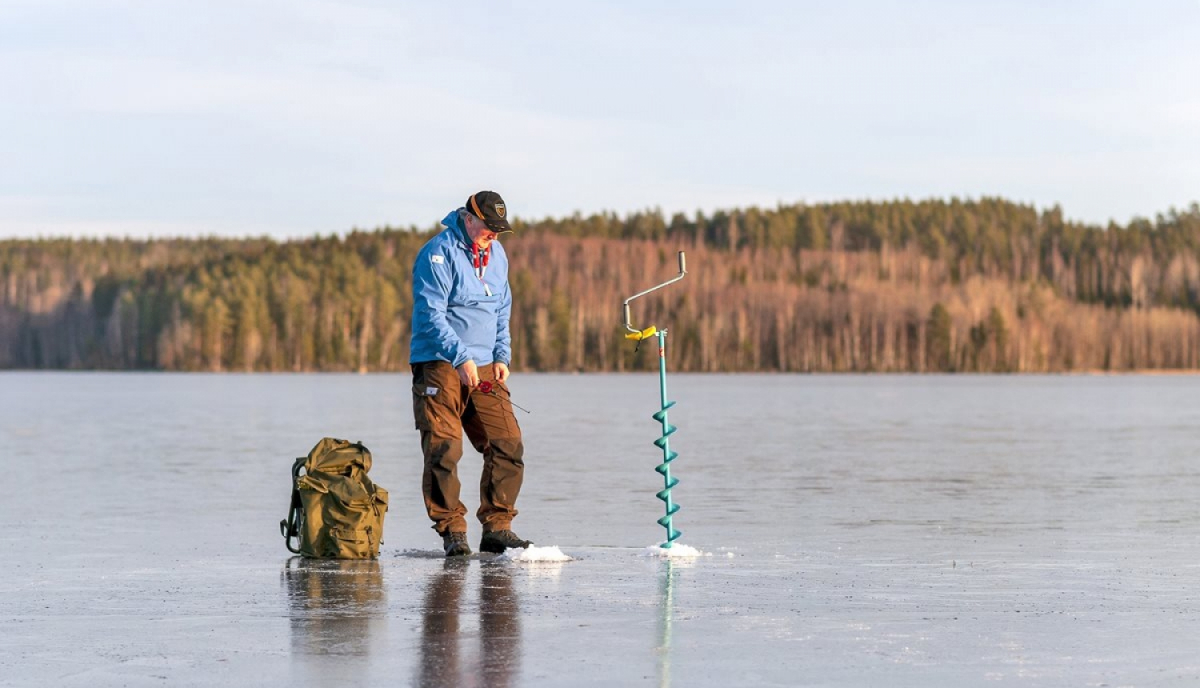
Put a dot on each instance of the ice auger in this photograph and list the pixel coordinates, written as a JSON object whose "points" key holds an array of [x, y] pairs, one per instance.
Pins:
{"points": [[663, 442]]}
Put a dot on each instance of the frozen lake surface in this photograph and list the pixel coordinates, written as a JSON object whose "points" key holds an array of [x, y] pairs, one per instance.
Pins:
{"points": [[859, 531]]}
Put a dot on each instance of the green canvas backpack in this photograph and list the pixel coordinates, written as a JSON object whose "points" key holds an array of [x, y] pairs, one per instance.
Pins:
{"points": [[336, 511]]}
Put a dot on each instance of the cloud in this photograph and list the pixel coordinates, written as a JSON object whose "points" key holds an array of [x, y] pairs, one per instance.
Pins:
{"points": [[307, 116]]}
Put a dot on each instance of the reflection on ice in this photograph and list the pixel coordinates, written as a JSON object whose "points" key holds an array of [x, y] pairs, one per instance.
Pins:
{"points": [[499, 627], [444, 613], [439, 664], [334, 605], [666, 622]]}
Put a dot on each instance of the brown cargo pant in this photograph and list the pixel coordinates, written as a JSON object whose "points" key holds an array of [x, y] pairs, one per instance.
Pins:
{"points": [[443, 408]]}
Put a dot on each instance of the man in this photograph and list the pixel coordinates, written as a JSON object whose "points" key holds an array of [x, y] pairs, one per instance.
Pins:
{"points": [[460, 338]]}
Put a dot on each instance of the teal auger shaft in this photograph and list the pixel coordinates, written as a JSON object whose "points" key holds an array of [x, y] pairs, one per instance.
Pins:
{"points": [[664, 443]]}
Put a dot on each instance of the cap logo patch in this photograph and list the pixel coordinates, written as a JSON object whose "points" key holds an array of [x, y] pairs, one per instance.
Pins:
{"points": [[500, 210]]}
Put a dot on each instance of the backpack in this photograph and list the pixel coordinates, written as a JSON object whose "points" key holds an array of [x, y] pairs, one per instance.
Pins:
{"points": [[336, 511]]}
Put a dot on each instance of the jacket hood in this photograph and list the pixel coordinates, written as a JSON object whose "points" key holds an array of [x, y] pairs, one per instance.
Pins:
{"points": [[454, 221]]}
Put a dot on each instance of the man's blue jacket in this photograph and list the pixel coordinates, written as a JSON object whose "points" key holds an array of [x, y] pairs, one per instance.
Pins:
{"points": [[456, 314]]}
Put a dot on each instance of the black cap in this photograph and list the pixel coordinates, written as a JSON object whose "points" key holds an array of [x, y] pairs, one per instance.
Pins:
{"points": [[489, 207]]}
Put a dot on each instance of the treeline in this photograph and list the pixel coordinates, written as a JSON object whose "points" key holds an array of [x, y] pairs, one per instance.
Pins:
{"points": [[985, 285]]}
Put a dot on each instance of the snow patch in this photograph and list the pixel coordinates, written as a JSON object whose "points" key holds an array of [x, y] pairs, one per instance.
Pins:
{"points": [[531, 553], [675, 551]]}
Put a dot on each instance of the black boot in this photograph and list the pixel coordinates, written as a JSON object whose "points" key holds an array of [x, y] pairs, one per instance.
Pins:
{"points": [[499, 540], [456, 545]]}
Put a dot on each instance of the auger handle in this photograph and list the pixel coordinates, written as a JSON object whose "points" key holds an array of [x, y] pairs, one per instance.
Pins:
{"points": [[635, 333]]}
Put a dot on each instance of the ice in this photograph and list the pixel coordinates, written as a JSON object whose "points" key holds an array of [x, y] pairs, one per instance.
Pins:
{"points": [[907, 531]]}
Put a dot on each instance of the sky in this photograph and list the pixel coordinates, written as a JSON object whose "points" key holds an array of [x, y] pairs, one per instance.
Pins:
{"points": [[289, 118]]}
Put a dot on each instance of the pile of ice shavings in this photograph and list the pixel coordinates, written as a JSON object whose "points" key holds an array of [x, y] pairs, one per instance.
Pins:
{"points": [[531, 553], [675, 551]]}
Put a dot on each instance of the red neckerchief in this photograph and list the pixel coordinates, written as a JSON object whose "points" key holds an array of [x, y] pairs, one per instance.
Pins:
{"points": [[480, 261]]}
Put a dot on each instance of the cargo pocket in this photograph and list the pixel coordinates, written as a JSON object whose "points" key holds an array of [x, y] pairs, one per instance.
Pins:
{"points": [[422, 413]]}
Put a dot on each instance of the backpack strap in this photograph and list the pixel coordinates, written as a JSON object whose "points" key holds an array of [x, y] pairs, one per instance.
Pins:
{"points": [[290, 526]]}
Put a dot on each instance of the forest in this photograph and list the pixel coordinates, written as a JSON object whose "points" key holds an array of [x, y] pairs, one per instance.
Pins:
{"points": [[984, 285]]}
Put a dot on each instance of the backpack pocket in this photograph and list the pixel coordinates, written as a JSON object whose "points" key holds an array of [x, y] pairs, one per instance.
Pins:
{"points": [[343, 520], [381, 500], [352, 543], [353, 511]]}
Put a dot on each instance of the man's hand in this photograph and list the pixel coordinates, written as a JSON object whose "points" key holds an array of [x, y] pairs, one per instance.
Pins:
{"points": [[468, 374], [499, 371]]}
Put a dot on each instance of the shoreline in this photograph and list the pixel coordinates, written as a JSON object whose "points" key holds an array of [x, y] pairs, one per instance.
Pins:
{"points": [[1145, 372]]}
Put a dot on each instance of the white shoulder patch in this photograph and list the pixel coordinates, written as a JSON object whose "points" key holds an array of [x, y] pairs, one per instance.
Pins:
{"points": [[437, 259]]}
